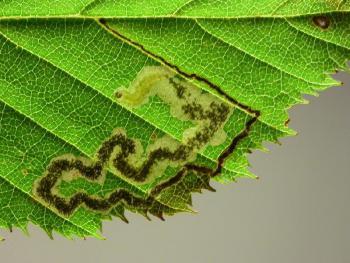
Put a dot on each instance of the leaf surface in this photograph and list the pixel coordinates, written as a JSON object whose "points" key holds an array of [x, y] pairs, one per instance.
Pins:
{"points": [[111, 106]]}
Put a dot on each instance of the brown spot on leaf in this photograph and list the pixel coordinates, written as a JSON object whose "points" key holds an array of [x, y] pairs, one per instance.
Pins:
{"points": [[321, 21]]}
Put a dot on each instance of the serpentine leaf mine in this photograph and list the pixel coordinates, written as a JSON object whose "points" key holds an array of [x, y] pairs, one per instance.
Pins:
{"points": [[126, 157]]}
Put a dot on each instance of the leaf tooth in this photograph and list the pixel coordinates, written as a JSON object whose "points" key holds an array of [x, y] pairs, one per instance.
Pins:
{"points": [[209, 188], [24, 229], [160, 215], [190, 201], [49, 232], [123, 217], [145, 214]]}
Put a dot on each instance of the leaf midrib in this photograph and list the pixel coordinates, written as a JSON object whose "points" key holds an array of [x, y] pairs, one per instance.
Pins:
{"points": [[79, 16]]}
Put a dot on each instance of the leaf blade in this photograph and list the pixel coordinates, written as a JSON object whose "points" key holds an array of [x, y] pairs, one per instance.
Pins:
{"points": [[75, 66]]}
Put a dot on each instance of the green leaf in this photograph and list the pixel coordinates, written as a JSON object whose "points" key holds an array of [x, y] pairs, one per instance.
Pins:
{"points": [[109, 106]]}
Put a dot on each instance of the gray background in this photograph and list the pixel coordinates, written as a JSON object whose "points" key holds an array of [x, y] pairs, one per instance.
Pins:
{"points": [[297, 212]]}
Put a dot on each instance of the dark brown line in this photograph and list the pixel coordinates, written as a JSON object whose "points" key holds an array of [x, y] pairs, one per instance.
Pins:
{"points": [[172, 181], [232, 147], [93, 172]]}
